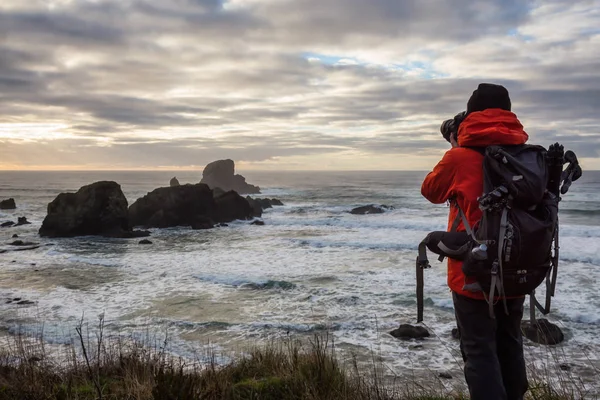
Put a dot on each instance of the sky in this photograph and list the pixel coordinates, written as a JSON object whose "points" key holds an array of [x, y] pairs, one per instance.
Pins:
{"points": [[285, 84]]}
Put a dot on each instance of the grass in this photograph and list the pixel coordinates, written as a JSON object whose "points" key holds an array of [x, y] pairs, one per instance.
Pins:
{"points": [[100, 368]]}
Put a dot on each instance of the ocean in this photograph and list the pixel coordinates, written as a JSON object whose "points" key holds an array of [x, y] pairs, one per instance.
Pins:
{"points": [[312, 268]]}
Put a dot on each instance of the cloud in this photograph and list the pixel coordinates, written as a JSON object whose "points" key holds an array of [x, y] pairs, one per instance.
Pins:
{"points": [[146, 83]]}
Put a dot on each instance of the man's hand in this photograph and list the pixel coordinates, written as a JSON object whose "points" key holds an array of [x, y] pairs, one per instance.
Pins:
{"points": [[453, 141]]}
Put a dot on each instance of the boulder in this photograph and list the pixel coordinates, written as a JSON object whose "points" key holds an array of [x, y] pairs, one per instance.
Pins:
{"points": [[6, 224], [256, 206], [259, 205], [232, 206], [96, 209], [174, 182], [276, 202], [221, 174], [407, 331], [542, 332], [257, 222], [370, 209], [145, 241], [8, 204], [22, 221], [187, 205]]}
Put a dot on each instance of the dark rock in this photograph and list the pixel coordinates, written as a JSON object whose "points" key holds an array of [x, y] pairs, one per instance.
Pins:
{"points": [[174, 182], [407, 331], [370, 209], [221, 173], [96, 209], [455, 333], [25, 302], [232, 206], [7, 224], [172, 206], [276, 202], [258, 222], [187, 205], [15, 236], [8, 302], [416, 347], [257, 208], [445, 375], [217, 192], [8, 204], [145, 241], [565, 366], [16, 299], [22, 221], [203, 223], [543, 332], [22, 243]]}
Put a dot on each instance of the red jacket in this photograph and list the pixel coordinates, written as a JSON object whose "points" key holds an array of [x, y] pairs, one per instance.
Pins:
{"points": [[460, 173]]}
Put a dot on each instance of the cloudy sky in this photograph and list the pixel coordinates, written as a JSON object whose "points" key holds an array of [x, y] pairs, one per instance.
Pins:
{"points": [[284, 84]]}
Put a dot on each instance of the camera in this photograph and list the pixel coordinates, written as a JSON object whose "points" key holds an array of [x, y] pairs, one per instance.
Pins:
{"points": [[449, 127]]}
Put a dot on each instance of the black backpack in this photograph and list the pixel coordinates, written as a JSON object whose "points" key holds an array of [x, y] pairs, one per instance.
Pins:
{"points": [[513, 248]]}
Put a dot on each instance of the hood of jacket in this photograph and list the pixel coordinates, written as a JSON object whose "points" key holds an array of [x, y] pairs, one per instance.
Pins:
{"points": [[490, 127]]}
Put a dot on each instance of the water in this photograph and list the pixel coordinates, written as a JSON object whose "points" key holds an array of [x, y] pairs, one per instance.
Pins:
{"points": [[312, 268]]}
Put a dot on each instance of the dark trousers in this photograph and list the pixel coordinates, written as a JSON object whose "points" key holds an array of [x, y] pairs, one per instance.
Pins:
{"points": [[492, 348]]}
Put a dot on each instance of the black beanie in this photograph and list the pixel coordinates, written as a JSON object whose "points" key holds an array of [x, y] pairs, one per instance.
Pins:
{"points": [[488, 95]]}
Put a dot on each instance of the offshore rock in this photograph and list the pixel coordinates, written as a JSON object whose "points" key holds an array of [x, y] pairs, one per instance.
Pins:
{"points": [[22, 221], [407, 331], [259, 205], [174, 182], [542, 332], [370, 209], [8, 204], [187, 205], [96, 209], [221, 174]]}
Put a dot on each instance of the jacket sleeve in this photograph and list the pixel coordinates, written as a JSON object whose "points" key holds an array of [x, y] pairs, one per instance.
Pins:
{"points": [[438, 185]]}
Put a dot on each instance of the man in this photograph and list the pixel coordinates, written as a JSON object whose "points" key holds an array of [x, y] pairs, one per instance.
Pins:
{"points": [[492, 348]]}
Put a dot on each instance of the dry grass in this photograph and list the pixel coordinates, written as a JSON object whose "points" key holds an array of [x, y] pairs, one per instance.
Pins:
{"points": [[99, 368]]}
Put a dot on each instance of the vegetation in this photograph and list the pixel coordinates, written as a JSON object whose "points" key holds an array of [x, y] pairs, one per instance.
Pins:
{"points": [[101, 368]]}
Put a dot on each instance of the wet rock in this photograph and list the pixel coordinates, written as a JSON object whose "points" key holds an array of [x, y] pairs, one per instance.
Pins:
{"points": [[455, 333], [22, 221], [445, 375], [8, 204], [187, 205], [145, 241], [22, 243], [16, 299], [221, 174], [202, 223], [7, 224], [259, 205], [565, 366], [257, 222], [174, 181], [25, 302], [407, 331], [276, 202], [370, 209], [257, 208], [416, 347], [15, 236], [96, 209], [543, 332]]}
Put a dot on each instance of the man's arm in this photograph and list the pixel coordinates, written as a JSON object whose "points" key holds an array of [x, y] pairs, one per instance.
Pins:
{"points": [[439, 184]]}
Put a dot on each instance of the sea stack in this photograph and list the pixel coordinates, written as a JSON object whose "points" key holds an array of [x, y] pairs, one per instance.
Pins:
{"points": [[221, 174], [8, 204]]}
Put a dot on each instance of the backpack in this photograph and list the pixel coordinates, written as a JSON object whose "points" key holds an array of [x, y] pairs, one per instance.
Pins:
{"points": [[513, 248]]}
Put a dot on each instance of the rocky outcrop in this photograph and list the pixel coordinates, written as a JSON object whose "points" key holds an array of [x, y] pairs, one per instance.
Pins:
{"points": [[174, 181], [407, 331], [542, 331], [370, 209], [187, 205], [8, 204], [96, 209], [221, 174], [22, 221], [259, 205]]}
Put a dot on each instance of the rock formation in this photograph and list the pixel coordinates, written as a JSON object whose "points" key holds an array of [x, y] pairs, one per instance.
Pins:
{"points": [[259, 205], [407, 331], [187, 205], [96, 209], [174, 181], [370, 209], [542, 331], [221, 174], [8, 204]]}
